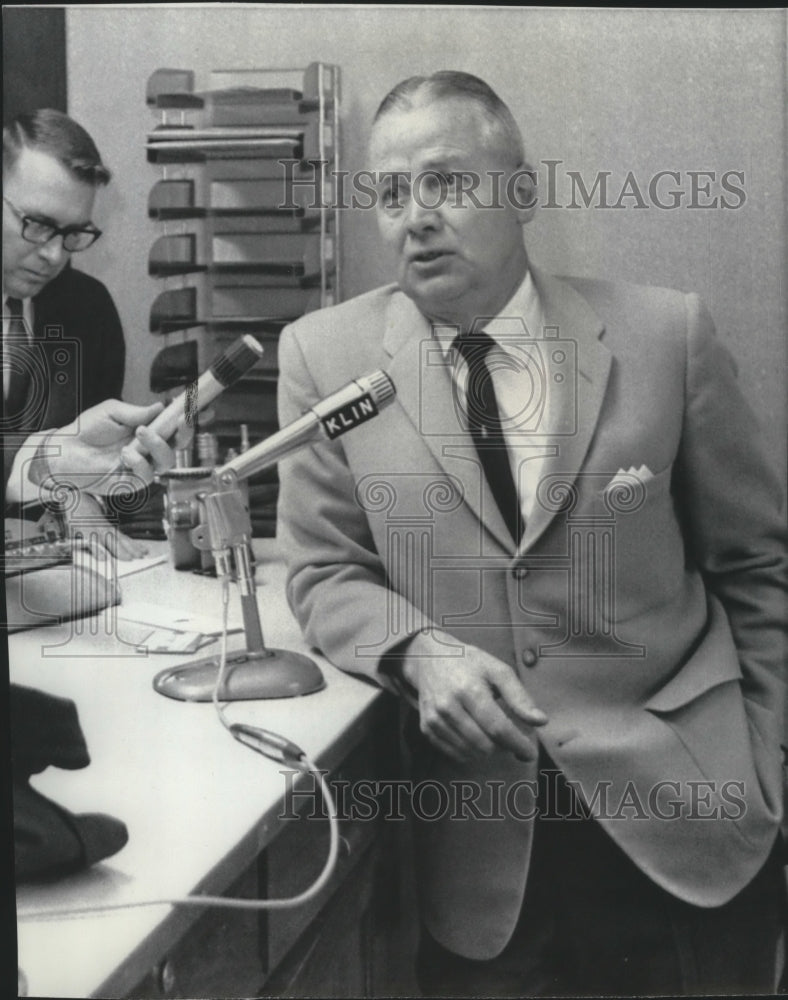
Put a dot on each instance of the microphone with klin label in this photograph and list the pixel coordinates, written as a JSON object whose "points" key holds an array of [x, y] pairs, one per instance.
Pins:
{"points": [[354, 404]]}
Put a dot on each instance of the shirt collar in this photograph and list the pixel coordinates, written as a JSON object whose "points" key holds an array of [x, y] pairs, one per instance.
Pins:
{"points": [[525, 304], [7, 295]]}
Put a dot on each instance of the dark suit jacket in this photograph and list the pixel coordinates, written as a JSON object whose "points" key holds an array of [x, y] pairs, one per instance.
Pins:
{"points": [[80, 355], [647, 621]]}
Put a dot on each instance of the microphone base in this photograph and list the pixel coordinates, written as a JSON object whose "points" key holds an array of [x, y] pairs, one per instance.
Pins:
{"points": [[249, 676]]}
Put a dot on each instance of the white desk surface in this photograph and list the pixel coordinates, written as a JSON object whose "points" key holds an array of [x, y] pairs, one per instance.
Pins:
{"points": [[198, 805]]}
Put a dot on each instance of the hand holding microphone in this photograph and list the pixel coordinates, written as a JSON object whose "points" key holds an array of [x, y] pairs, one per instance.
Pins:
{"points": [[225, 371], [90, 445], [101, 442]]}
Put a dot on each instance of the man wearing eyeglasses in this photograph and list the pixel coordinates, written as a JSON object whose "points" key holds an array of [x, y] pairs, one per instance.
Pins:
{"points": [[63, 347]]}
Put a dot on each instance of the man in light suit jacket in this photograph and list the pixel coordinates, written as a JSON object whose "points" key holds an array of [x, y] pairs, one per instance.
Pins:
{"points": [[594, 653]]}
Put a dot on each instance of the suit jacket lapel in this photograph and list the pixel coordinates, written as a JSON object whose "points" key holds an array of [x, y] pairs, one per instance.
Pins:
{"points": [[574, 414]]}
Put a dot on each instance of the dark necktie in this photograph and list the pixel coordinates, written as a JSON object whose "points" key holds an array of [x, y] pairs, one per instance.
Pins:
{"points": [[14, 359], [485, 426]]}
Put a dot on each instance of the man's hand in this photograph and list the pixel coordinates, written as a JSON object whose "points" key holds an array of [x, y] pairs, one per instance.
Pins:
{"points": [[89, 529], [472, 704], [97, 442]]}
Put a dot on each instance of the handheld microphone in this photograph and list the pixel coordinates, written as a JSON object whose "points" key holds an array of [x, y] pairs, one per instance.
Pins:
{"points": [[354, 404], [225, 371]]}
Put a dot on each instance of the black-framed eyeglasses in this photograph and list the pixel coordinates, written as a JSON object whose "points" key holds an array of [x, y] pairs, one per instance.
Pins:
{"points": [[75, 238]]}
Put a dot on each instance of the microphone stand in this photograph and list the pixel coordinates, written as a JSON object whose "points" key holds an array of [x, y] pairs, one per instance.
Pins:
{"points": [[258, 672], [255, 671]]}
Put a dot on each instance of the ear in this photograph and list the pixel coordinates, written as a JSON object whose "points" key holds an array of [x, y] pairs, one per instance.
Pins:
{"points": [[521, 192]]}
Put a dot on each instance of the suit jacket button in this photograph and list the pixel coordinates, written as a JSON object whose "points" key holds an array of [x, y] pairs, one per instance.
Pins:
{"points": [[520, 572], [529, 657]]}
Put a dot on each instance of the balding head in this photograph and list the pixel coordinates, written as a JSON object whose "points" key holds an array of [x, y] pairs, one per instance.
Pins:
{"points": [[496, 122]]}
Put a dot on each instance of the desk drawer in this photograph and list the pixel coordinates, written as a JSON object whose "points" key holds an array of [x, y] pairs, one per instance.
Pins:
{"points": [[335, 955], [297, 856], [218, 957]]}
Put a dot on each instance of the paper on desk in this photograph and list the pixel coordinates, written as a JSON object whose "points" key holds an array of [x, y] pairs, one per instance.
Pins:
{"points": [[167, 641], [175, 619]]}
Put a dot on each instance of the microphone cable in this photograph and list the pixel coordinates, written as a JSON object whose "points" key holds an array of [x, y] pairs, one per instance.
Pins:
{"points": [[261, 741]]}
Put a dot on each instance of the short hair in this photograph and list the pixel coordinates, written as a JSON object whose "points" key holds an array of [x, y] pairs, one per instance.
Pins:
{"points": [[419, 91], [53, 132]]}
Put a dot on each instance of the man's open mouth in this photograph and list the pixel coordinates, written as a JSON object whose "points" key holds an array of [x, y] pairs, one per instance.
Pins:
{"points": [[427, 256]]}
